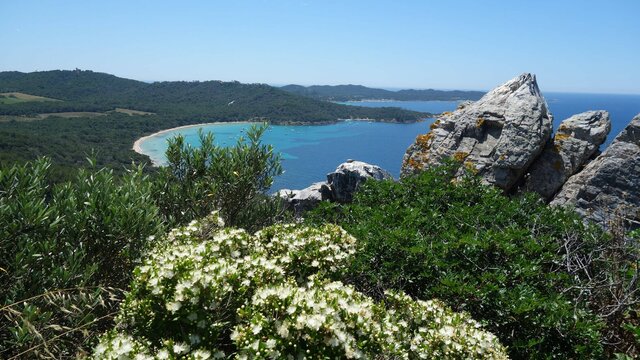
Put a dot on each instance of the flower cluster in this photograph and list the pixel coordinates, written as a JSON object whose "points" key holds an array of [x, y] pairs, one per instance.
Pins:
{"points": [[209, 292], [318, 320], [430, 330]]}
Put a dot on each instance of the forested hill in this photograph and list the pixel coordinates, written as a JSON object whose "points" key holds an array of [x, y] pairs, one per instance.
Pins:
{"points": [[68, 115], [210, 100], [359, 92]]}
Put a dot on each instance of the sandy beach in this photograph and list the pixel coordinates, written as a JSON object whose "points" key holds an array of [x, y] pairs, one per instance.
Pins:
{"points": [[138, 149]]}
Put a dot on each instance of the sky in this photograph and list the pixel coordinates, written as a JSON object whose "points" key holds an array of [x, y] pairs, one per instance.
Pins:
{"points": [[571, 45]]}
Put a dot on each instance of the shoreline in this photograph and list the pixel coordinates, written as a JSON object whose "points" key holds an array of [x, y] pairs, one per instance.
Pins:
{"points": [[136, 145], [138, 149]]}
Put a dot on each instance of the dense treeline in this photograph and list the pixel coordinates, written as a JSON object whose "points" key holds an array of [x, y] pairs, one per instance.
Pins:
{"points": [[359, 92], [211, 100], [67, 141]]}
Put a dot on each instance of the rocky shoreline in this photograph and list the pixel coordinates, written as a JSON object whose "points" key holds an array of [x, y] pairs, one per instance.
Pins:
{"points": [[506, 139]]}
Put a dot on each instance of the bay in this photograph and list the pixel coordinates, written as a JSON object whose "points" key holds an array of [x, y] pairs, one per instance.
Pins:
{"points": [[310, 152]]}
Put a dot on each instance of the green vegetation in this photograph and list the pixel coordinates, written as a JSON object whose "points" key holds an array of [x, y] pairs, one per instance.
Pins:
{"points": [[197, 181], [67, 138], [359, 92], [69, 249], [17, 97], [66, 252], [207, 292], [85, 267], [535, 276]]}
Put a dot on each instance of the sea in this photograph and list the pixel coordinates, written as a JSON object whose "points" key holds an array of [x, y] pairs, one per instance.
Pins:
{"points": [[309, 152]]}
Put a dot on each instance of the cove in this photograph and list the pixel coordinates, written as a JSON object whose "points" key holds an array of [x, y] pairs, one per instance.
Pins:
{"points": [[309, 152]]}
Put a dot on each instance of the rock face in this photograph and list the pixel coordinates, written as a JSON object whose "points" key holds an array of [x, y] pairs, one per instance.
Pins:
{"points": [[349, 175], [340, 186], [610, 184], [576, 141], [499, 135], [305, 199]]}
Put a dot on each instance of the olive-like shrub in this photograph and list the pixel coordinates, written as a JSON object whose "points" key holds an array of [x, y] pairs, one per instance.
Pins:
{"points": [[209, 292]]}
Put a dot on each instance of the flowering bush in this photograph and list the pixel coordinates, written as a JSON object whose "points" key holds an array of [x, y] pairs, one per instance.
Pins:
{"points": [[213, 292]]}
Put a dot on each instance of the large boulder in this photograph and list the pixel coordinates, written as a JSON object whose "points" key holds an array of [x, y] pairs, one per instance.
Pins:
{"points": [[577, 140], [350, 175], [608, 188], [305, 199], [498, 136]]}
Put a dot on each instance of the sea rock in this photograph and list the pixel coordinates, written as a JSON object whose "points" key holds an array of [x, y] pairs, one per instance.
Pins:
{"points": [[346, 179], [305, 199], [576, 141], [609, 186], [497, 136]]}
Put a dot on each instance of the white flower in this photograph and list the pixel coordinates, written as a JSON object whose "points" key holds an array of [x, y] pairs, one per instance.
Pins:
{"points": [[173, 306], [180, 348]]}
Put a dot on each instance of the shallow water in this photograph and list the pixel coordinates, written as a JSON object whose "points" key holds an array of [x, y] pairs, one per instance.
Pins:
{"points": [[310, 152]]}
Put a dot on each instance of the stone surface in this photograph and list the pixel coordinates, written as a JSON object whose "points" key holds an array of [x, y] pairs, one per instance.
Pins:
{"points": [[498, 136], [609, 186], [576, 141], [305, 199], [346, 179]]}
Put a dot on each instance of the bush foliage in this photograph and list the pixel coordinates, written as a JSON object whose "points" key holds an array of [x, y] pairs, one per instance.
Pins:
{"points": [[498, 258], [62, 248], [198, 180], [69, 249], [208, 292]]}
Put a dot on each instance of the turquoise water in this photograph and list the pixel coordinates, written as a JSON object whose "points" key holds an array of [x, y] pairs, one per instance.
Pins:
{"points": [[310, 152]]}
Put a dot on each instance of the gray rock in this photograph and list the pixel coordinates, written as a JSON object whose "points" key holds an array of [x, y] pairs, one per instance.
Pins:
{"points": [[609, 186], [498, 136], [305, 199], [577, 140], [349, 175]]}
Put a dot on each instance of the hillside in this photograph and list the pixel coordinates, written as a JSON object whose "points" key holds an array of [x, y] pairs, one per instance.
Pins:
{"points": [[104, 114], [359, 92], [213, 100]]}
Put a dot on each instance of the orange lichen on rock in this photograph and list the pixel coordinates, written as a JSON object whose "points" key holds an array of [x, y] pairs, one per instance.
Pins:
{"points": [[479, 122], [561, 136], [460, 156], [470, 167], [434, 125], [423, 140]]}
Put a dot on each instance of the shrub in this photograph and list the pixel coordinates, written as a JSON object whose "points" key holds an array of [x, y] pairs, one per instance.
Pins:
{"points": [[500, 259], [233, 179], [209, 292], [64, 249]]}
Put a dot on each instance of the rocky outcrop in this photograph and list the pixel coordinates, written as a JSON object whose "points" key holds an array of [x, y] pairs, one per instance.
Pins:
{"points": [[340, 186], [305, 199], [498, 136], [350, 175], [576, 141], [609, 185]]}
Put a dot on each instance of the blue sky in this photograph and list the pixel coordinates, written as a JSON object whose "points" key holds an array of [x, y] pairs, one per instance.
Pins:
{"points": [[572, 45]]}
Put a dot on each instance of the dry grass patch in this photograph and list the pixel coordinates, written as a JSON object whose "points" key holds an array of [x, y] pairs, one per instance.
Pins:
{"points": [[18, 97], [133, 112]]}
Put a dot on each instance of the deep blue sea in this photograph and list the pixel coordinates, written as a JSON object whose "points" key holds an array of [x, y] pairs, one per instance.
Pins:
{"points": [[310, 152]]}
